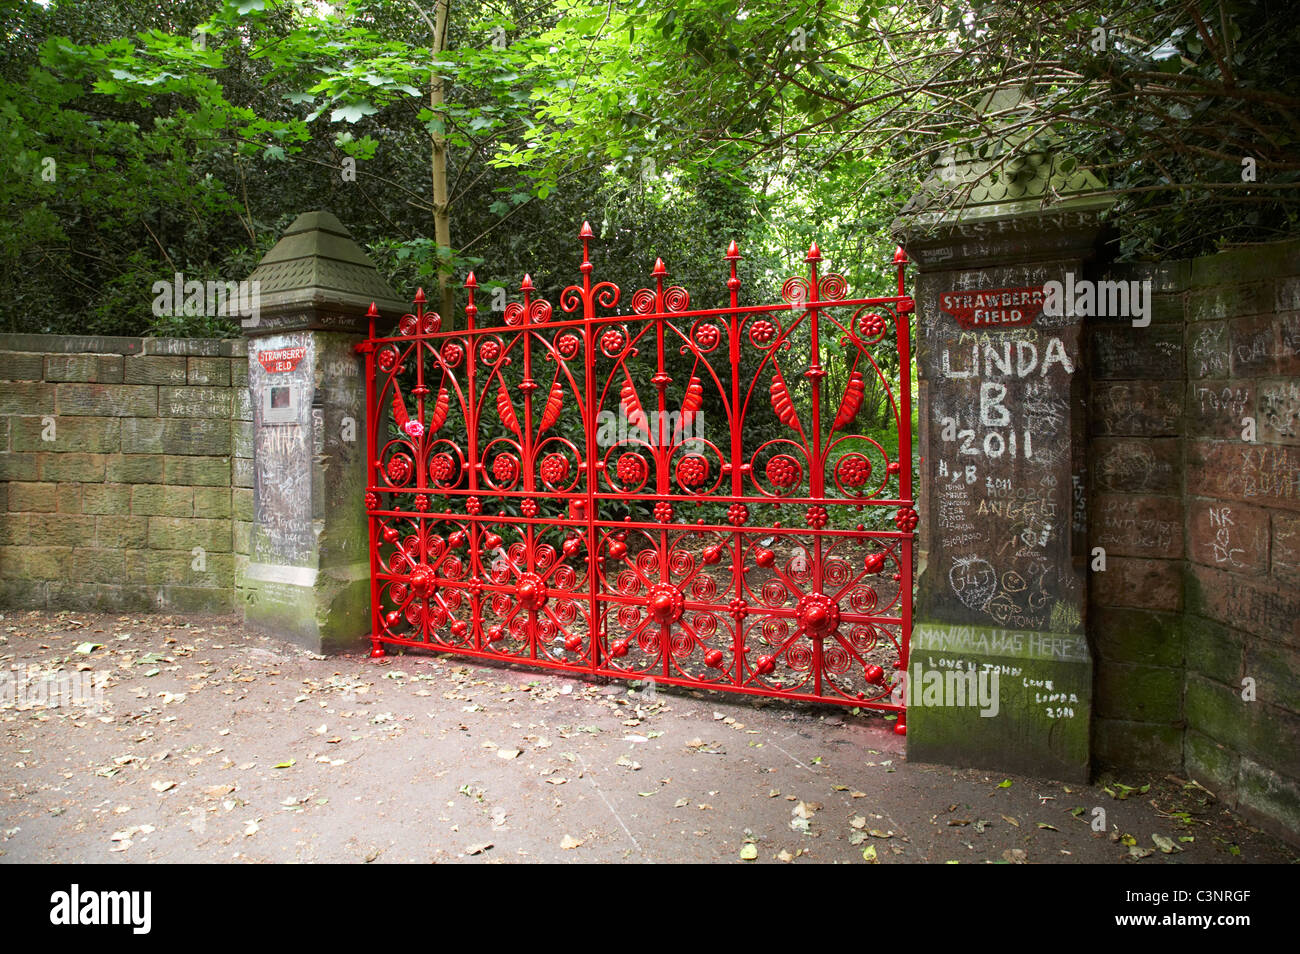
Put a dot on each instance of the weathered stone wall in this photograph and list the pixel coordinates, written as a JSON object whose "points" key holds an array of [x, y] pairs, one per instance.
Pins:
{"points": [[125, 472], [1201, 527]]}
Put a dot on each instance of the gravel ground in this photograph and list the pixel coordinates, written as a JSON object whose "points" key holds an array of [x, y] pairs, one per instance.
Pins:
{"points": [[212, 743]]}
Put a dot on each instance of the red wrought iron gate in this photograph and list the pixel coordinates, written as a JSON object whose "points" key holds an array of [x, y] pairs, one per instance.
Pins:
{"points": [[690, 496]]}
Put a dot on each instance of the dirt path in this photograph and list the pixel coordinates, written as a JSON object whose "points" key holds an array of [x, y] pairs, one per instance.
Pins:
{"points": [[220, 745]]}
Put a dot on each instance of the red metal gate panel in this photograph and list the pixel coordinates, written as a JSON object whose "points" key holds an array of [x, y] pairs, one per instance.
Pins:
{"points": [[682, 495]]}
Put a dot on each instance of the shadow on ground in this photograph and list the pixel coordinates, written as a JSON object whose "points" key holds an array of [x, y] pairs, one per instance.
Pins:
{"points": [[216, 744]]}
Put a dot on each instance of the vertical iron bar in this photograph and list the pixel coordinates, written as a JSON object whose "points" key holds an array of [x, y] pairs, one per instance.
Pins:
{"points": [[737, 452], [595, 627]]}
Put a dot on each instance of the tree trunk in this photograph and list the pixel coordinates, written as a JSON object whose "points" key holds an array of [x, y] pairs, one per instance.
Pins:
{"points": [[441, 211]]}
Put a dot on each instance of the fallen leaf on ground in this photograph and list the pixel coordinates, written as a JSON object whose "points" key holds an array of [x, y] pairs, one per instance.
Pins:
{"points": [[1166, 845]]}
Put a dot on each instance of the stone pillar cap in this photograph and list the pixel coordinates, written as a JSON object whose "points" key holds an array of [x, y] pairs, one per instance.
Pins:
{"points": [[982, 190], [315, 268]]}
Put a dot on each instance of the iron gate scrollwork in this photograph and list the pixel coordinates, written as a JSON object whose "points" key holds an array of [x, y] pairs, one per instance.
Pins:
{"points": [[669, 493]]}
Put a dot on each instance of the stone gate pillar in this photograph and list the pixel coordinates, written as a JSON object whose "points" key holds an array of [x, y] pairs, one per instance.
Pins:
{"points": [[1002, 548], [307, 578]]}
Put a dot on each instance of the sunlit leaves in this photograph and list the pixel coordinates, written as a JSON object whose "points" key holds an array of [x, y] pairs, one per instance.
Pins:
{"points": [[351, 112]]}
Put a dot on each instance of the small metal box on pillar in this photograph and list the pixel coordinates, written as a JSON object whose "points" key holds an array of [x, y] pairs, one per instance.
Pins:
{"points": [[307, 574]]}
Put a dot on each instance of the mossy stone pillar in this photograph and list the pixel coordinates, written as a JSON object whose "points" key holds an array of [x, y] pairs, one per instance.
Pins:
{"points": [[307, 577], [1002, 538]]}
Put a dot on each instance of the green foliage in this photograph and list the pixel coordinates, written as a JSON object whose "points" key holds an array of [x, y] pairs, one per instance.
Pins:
{"points": [[854, 103], [185, 136]]}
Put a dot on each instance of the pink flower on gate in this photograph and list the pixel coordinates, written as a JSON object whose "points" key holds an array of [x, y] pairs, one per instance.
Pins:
{"points": [[413, 429]]}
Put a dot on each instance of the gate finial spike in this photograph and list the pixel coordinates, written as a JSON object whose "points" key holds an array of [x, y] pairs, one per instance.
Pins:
{"points": [[814, 253], [659, 268], [419, 296], [900, 257], [527, 283], [733, 251], [372, 312], [471, 282], [585, 231]]}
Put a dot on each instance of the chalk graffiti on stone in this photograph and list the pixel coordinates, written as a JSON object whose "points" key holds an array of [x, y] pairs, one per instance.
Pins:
{"points": [[973, 580]]}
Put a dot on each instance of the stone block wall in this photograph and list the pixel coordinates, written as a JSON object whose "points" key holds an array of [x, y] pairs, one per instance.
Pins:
{"points": [[125, 472], [1201, 528]]}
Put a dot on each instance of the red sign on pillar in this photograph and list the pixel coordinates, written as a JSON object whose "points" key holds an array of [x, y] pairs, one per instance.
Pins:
{"points": [[994, 307], [281, 359]]}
